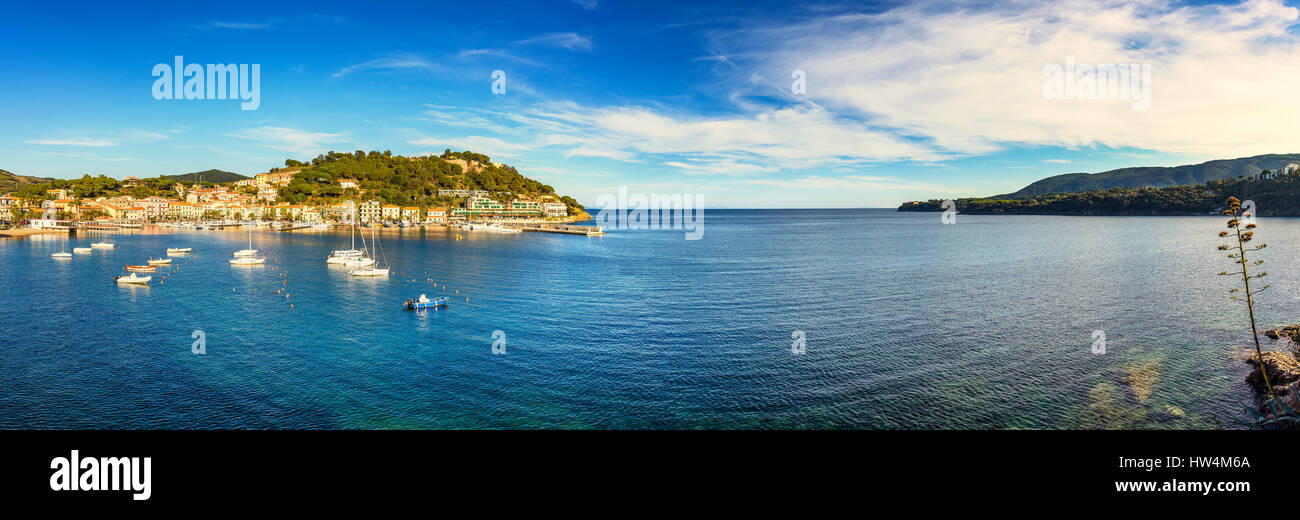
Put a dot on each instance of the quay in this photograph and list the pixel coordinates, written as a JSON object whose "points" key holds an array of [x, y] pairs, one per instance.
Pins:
{"points": [[567, 229], [22, 232]]}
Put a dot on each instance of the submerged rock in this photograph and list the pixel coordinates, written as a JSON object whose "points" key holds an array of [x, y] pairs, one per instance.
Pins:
{"points": [[1289, 332]]}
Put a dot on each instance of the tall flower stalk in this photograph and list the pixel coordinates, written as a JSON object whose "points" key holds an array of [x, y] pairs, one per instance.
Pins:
{"points": [[1244, 234]]}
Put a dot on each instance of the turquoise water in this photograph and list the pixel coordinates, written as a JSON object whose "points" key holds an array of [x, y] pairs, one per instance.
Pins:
{"points": [[909, 324]]}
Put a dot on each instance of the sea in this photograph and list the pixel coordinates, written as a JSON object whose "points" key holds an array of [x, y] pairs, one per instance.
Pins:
{"points": [[773, 319]]}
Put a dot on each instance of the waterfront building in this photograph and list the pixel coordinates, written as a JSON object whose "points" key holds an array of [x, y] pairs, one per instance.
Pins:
{"points": [[370, 211], [555, 209], [390, 212], [411, 214]]}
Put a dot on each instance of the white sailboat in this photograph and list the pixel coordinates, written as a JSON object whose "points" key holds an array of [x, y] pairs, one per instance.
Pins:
{"points": [[250, 251], [247, 260], [343, 256], [82, 250], [102, 245], [373, 269], [247, 256]]}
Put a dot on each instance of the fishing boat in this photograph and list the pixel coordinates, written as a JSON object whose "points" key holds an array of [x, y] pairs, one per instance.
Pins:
{"points": [[374, 269], [64, 254], [159, 261], [82, 250], [250, 251], [103, 245], [141, 268], [132, 278], [171, 250], [423, 302]]}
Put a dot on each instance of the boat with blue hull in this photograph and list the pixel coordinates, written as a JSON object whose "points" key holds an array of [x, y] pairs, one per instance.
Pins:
{"points": [[423, 302]]}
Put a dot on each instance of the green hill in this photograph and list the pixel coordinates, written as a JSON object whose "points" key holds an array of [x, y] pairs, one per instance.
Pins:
{"points": [[1274, 197], [215, 176], [1154, 176], [10, 181], [410, 181]]}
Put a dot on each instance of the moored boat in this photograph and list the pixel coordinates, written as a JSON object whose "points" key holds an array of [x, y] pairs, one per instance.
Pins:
{"points": [[423, 302], [103, 245], [132, 278], [178, 250], [141, 268], [247, 260], [159, 261], [82, 250], [62, 255]]}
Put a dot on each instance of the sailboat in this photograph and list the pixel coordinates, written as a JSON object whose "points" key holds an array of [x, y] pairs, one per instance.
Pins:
{"points": [[373, 270], [361, 260], [247, 256], [250, 251], [342, 256]]}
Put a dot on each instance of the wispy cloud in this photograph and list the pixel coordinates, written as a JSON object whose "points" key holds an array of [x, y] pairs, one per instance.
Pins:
{"points": [[73, 142], [389, 63], [563, 40], [291, 140], [217, 24], [586, 4], [1057, 161]]}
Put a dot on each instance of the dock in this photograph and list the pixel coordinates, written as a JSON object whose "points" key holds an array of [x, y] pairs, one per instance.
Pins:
{"points": [[567, 229], [22, 232]]}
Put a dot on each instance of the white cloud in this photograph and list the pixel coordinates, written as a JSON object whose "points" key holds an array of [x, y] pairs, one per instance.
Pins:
{"points": [[564, 40], [73, 142], [389, 63], [969, 78], [290, 140]]}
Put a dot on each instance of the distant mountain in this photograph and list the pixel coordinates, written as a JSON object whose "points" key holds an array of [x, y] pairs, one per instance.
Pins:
{"points": [[10, 181], [1153, 176], [217, 176]]}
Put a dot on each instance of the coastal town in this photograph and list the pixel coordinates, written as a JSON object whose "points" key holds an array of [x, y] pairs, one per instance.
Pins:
{"points": [[255, 199]]}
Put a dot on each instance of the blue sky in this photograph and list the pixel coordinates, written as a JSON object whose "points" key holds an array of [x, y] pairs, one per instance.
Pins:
{"points": [[903, 100]]}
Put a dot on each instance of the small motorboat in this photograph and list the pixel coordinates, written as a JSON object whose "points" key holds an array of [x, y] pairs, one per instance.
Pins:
{"points": [[247, 260], [82, 250], [423, 302], [141, 268], [159, 261], [171, 250], [103, 245], [132, 278], [64, 254], [369, 271]]}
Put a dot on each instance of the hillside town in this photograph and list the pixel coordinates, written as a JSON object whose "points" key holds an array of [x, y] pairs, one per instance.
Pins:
{"points": [[255, 199]]}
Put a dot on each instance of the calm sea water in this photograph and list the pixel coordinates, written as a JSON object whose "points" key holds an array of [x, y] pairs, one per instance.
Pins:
{"points": [[909, 323]]}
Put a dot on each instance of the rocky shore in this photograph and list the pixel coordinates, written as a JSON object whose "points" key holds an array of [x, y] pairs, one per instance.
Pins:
{"points": [[1283, 369]]}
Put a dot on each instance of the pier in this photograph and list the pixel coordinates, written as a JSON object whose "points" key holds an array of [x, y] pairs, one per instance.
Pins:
{"points": [[567, 229]]}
